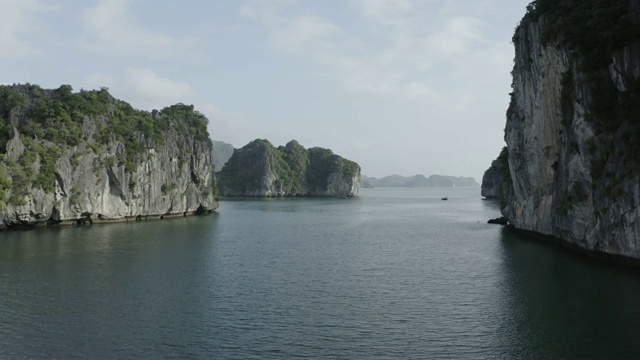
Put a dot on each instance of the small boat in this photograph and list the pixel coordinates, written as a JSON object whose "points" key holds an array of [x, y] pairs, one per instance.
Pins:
{"points": [[444, 198]]}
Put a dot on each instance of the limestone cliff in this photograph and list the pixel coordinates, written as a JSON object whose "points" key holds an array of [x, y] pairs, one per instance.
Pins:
{"points": [[86, 157], [573, 127], [493, 178], [261, 170]]}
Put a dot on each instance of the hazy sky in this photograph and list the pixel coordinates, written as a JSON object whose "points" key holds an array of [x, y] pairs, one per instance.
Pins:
{"points": [[400, 86]]}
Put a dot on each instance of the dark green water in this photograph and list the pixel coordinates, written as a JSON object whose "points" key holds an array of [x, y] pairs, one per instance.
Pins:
{"points": [[395, 273]]}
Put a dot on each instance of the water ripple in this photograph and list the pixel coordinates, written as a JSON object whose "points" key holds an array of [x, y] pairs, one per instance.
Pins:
{"points": [[393, 274]]}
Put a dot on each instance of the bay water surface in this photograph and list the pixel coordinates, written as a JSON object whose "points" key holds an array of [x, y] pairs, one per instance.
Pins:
{"points": [[393, 273]]}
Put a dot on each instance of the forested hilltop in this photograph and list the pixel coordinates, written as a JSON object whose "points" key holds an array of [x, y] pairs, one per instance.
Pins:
{"points": [[86, 156], [259, 169], [571, 168]]}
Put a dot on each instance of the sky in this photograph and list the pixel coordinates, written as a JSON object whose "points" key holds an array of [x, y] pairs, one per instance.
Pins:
{"points": [[400, 86]]}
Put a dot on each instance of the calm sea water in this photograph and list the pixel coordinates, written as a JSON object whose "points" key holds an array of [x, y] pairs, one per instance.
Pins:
{"points": [[394, 273]]}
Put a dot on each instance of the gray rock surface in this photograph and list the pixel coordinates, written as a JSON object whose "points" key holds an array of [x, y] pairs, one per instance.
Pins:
{"points": [[492, 180], [554, 186]]}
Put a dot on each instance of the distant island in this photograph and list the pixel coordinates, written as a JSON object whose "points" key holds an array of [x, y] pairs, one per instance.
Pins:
{"points": [[221, 154], [259, 169], [418, 181]]}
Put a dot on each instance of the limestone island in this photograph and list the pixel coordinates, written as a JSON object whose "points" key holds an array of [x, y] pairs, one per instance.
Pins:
{"points": [[259, 169], [86, 157]]}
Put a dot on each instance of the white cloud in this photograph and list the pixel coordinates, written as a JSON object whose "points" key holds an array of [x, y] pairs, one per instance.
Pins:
{"points": [[361, 74], [396, 12], [18, 21], [305, 30], [457, 37], [110, 23], [235, 129], [416, 90], [98, 80], [263, 10], [405, 51], [290, 33], [154, 91], [111, 30]]}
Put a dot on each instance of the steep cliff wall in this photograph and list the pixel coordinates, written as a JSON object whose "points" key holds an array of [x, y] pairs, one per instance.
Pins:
{"points": [[261, 170], [573, 127], [87, 157], [494, 177]]}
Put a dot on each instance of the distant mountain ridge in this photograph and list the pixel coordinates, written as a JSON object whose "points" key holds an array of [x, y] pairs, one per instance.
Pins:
{"points": [[418, 181], [221, 153]]}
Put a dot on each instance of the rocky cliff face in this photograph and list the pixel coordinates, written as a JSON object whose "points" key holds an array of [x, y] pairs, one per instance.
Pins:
{"points": [[107, 163], [572, 127], [261, 170], [494, 176]]}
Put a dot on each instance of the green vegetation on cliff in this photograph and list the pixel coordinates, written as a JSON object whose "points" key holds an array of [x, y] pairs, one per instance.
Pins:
{"points": [[247, 164], [292, 168], [595, 28], [322, 163], [50, 122], [57, 116]]}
